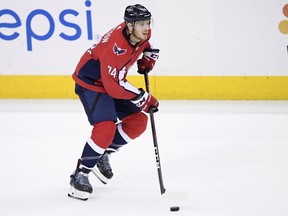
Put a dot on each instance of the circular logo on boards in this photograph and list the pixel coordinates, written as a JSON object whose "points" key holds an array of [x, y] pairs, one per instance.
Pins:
{"points": [[283, 25]]}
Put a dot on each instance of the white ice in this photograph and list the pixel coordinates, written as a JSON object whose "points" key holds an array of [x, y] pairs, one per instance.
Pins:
{"points": [[231, 157]]}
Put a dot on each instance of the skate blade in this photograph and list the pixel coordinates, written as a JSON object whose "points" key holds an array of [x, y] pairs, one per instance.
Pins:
{"points": [[99, 175], [76, 194]]}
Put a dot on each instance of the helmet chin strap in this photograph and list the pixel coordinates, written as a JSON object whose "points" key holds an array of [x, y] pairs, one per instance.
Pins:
{"points": [[133, 39]]}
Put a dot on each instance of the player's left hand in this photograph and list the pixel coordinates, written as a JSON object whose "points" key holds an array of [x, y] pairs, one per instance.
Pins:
{"points": [[146, 101], [147, 62]]}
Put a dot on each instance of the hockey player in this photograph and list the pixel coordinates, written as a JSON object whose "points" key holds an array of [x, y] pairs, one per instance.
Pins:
{"points": [[112, 104]]}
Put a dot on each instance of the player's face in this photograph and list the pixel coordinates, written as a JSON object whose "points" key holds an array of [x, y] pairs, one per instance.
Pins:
{"points": [[141, 29]]}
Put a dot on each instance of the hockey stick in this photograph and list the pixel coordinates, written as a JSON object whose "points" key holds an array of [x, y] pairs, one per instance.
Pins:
{"points": [[164, 192]]}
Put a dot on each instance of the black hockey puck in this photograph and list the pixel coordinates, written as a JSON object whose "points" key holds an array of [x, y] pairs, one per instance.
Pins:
{"points": [[174, 208]]}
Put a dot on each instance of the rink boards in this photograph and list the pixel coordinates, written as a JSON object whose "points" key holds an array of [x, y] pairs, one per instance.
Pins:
{"points": [[163, 87]]}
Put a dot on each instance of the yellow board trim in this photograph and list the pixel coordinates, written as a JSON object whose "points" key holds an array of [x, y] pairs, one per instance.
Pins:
{"points": [[163, 87]]}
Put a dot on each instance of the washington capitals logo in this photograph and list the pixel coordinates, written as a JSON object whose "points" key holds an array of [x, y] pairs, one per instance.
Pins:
{"points": [[117, 50]]}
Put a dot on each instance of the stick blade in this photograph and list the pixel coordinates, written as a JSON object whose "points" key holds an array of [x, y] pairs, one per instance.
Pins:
{"points": [[173, 195]]}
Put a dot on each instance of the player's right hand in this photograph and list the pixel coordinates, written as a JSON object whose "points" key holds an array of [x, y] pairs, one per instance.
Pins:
{"points": [[146, 101], [148, 60]]}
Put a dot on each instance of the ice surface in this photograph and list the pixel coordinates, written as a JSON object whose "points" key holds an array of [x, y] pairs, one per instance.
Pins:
{"points": [[231, 157]]}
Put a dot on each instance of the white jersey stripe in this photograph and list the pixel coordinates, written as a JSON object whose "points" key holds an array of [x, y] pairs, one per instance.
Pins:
{"points": [[125, 84]]}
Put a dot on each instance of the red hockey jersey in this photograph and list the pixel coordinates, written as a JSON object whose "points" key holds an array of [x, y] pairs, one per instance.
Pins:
{"points": [[104, 66]]}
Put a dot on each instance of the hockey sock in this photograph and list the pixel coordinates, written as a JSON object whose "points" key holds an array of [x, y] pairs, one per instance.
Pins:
{"points": [[101, 136], [131, 127], [120, 139], [90, 156]]}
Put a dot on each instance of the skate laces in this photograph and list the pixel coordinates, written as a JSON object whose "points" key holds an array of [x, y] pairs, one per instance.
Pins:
{"points": [[104, 162], [83, 174], [82, 178]]}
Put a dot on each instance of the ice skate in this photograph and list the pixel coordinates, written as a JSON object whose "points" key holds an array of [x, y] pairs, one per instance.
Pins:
{"points": [[80, 185], [103, 169]]}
